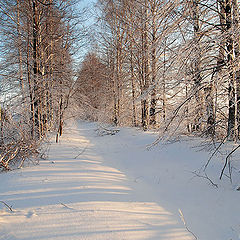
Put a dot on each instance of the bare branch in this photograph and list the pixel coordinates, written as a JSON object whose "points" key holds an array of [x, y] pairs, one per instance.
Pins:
{"points": [[10, 208]]}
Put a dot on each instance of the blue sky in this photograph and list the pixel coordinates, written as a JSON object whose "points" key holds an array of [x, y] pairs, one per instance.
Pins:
{"points": [[87, 24]]}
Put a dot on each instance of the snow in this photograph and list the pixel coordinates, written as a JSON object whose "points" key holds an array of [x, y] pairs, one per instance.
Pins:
{"points": [[113, 187]]}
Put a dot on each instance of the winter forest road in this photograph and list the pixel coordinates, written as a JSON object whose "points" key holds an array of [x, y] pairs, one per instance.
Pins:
{"points": [[86, 190]]}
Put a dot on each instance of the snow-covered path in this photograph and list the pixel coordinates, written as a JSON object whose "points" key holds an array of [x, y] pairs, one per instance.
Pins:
{"points": [[78, 195], [88, 189]]}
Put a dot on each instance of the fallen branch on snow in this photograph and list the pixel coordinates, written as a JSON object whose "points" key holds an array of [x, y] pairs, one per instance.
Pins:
{"points": [[81, 152], [184, 222], [102, 131], [206, 177], [10, 208], [227, 160], [64, 205]]}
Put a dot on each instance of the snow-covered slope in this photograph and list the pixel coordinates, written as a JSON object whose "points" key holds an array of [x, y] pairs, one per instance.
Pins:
{"points": [[112, 187]]}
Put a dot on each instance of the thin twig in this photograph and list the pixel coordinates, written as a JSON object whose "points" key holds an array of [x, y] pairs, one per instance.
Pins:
{"points": [[230, 171], [64, 205], [45, 4], [205, 167], [226, 160], [206, 177], [184, 222], [7, 206], [84, 149]]}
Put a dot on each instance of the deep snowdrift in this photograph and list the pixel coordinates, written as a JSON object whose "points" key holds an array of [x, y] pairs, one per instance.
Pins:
{"points": [[112, 187]]}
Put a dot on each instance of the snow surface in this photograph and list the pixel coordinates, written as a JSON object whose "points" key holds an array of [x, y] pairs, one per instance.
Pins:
{"points": [[112, 187]]}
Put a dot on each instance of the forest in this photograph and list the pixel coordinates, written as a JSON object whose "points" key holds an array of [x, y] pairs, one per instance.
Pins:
{"points": [[119, 119], [171, 66]]}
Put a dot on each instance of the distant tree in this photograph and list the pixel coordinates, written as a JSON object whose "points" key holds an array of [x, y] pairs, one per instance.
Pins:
{"points": [[94, 84]]}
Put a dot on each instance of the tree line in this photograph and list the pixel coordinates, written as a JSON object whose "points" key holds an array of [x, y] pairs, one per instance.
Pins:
{"points": [[171, 65], [36, 75]]}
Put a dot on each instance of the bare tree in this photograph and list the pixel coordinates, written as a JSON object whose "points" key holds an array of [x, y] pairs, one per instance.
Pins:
{"points": [[41, 35]]}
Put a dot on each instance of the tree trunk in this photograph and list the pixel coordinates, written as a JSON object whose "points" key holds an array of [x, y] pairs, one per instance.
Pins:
{"points": [[36, 102], [20, 53], [145, 69], [29, 81], [134, 120], [153, 65], [210, 111], [60, 124], [236, 26], [1, 126], [231, 88], [196, 65], [164, 98]]}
